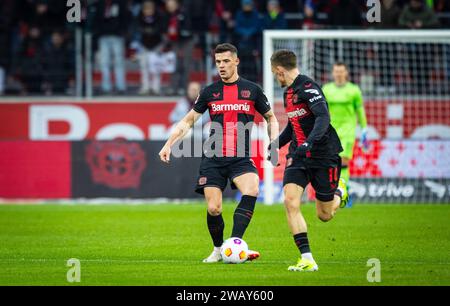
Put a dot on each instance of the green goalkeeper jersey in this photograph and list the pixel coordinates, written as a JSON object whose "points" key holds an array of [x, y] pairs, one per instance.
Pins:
{"points": [[346, 108]]}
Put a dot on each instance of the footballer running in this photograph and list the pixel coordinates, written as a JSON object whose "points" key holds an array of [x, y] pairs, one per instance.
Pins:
{"points": [[313, 153], [232, 103]]}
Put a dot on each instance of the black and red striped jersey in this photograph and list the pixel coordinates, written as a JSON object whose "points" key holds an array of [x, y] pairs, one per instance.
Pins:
{"points": [[232, 106], [309, 119]]}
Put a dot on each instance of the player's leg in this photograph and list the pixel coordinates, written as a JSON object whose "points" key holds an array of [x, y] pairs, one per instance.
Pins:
{"points": [[294, 182], [248, 185], [244, 177], [295, 219], [298, 227], [331, 191], [211, 183], [216, 225]]}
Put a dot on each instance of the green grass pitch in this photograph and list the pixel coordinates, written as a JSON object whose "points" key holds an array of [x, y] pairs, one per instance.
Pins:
{"points": [[164, 245]]}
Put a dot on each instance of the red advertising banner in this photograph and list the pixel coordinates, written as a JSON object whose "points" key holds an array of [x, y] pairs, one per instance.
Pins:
{"points": [[86, 121], [38, 170], [81, 121], [139, 121]]}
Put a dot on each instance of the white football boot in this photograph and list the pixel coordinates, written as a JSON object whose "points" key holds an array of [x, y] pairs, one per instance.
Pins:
{"points": [[214, 257]]}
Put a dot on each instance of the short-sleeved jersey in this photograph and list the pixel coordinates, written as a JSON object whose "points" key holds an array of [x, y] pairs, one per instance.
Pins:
{"points": [[232, 106], [308, 116]]}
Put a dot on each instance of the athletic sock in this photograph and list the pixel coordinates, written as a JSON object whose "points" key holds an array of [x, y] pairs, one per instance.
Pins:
{"points": [[301, 240], [216, 227], [308, 256], [242, 215]]}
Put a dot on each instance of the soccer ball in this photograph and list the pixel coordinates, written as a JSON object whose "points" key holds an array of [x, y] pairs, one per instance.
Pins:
{"points": [[234, 250]]}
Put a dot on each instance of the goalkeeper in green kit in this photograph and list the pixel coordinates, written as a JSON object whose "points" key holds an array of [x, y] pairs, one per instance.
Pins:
{"points": [[346, 109]]}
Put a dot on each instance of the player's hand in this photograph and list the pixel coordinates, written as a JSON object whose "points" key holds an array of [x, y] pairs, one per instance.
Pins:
{"points": [[164, 154], [273, 154], [303, 150], [364, 140]]}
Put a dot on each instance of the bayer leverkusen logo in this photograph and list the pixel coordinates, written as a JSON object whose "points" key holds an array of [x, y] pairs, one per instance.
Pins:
{"points": [[116, 164], [245, 93]]}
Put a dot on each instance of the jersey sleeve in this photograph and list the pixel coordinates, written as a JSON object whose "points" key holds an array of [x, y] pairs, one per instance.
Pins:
{"points": [[201, 105], [262, 105], [311, 93], [285, 136], [359, 108]]}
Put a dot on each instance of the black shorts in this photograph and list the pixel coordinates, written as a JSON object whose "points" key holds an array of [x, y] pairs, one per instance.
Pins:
{"points": [[216, 171], [323, 174]]}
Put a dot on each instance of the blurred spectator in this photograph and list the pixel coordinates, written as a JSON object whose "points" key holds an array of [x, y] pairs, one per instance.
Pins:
{"points": [[417, 15], [223, 16], [345, 13], [28, 65], [248, 38], [199, 12], [180, 38], [111, 25], [291, 6], [185, 104], [58, 65], [40, 18], [7, 10], [390, 13], [148, 41], [248, 26], [274, 18], [48, 15], [443, 6], [309, 14]]}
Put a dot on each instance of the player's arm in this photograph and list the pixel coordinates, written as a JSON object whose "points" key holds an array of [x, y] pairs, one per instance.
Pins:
{"points": [[359, 108], [274, 146], [272, 130], [362, 119], [318, 106], [285, 136], [178, 133], [273, 127], [182, 127], [262, 106]]}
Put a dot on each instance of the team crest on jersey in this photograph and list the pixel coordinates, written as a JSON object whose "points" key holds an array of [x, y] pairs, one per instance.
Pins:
{"points": [[245, 93], [294, 98], [202, 180]]}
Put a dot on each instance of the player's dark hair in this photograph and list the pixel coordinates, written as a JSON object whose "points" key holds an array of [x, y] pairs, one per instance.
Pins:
{"points": [[284, 58], [340, 63], [222, 48]]}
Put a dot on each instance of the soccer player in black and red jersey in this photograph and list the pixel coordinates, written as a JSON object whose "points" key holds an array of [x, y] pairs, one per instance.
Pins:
{"points": [[313, 153], [232, 103]]}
